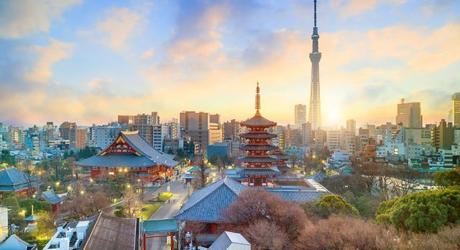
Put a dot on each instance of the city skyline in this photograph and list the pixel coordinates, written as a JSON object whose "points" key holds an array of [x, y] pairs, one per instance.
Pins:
{"points": [[89, 62]]}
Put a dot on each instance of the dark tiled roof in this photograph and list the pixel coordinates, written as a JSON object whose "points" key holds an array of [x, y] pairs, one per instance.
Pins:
{"points": [[258, 121], [259, 171], [207, 204], [252, 135], [51, 197], [149, 156], [12, 179], [113, 233], [116, 160], [258, 159], [257, 147]]}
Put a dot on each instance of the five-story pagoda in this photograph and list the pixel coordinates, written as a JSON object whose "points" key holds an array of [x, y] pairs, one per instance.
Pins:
{"points": [[258, 167]]}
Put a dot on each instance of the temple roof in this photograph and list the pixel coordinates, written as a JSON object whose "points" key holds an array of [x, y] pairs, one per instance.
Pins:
{"points": [[258, 121], [111, 232], [51, 197], [207, 204], [257, 147], [263, 135], [255, 159], [14, 242], [12, 179], [145, 155]]}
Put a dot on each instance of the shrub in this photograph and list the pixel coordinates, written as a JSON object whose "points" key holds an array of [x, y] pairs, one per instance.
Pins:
{"points": [[328, 205], [449, 178], [165, 196], [425, 211], [266, 235], [446, 238], [345, 233], [255, 205]]}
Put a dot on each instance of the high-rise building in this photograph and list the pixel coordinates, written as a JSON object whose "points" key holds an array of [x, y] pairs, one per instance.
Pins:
{"points": [[160, 132], [102, 136], [81, 137], [314, 116], [333, 140], [351, 126], [300, 115], [409, 114], [231, 130], [442, 136], [173, 129], [196, 126], [307, 136], [456, 109], [68, 131], [215, 129]]}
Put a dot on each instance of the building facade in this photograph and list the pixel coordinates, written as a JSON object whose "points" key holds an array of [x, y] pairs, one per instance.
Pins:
{"points": [[300, 115], [409, 114]]}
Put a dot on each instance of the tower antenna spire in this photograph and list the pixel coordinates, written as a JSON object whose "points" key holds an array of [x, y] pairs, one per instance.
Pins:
{"points": [[314, 13]]}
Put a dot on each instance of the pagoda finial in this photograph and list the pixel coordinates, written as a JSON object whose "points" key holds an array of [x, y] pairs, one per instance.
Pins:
{"points": [[257, 99]]}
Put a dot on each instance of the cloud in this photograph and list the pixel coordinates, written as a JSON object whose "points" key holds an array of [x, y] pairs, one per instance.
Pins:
{"points": [[47, 56], [118, 27], [352, 8], [22, 18], [148, 54]]}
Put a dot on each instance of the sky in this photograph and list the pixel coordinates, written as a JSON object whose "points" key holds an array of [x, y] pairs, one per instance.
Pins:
{"points": [[88, 61]]}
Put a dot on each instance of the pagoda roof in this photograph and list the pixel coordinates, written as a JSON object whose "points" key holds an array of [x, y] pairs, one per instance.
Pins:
{"points": [[259, 171], [207, 204], [257, 147], [12, 179], [144, 156], [254, 159], [258, 121], [258, 135]]}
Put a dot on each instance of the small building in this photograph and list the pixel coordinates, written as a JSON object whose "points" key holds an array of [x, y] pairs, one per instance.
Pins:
{"points": [[51, 197], [230, 241], [70, 236], [217, 150], [14, 180], [15, 243], [130, 154]]}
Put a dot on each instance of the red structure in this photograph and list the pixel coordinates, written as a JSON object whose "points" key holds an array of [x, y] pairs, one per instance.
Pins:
{"points": [[258, 165], [130, 154]]}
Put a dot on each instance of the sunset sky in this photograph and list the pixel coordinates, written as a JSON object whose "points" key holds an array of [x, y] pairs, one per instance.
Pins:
{"points": [[88, 61]]}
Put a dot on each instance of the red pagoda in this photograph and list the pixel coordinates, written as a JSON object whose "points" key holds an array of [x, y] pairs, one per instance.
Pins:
{"points": [[258, 166]]}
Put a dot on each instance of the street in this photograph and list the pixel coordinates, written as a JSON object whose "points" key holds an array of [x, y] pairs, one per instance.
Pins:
{"points": [[168, 210]]}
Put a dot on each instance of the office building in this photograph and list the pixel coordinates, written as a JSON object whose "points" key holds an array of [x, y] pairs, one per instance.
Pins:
{"points": [[456, 109], [68, 131], [231, 130], [351, 126], [442, 136], [102, 136], [196, 126], [81, 138], [160, 132], [409, 114], [215, 129], [300, 115]]}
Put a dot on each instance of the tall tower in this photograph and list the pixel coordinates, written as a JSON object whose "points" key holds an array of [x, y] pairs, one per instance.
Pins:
{"points": [[314, 116]]}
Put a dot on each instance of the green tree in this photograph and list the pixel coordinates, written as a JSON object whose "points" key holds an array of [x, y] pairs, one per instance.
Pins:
{"points": [[425, 211], [449, 178], [328, 205], [6, 157]]}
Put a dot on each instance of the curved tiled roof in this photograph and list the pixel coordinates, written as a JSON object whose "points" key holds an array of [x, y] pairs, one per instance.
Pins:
{"points": [[148, 155], [257, 147], [207, 204], [258, 121], [252, 135], [12, 179]]}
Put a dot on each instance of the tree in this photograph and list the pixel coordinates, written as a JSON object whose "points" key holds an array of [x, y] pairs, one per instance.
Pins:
{"points": [[425, 211], [449, 178], [345, 233], [255, 205], [328, 205], [83, 205], [6, 157], [266, 235]]}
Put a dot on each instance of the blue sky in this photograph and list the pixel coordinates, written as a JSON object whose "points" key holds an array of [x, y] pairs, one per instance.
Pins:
{"points": [[88, 61]]}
